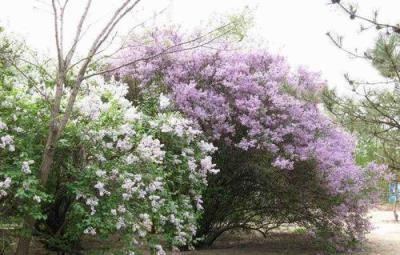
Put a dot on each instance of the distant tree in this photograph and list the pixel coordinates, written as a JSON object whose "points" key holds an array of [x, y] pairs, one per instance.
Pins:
{"points": [[372, 112]]}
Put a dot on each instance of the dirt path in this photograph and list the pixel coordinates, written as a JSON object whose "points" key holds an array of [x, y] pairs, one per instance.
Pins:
{"points": [[384, 239]]}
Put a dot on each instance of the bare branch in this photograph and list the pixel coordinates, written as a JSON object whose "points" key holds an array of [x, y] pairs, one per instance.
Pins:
{"points": [[353, 15], [62, 12], [169, 50], [56, 30], [71, 52], [103, 35], [32, 82], [338, 44]]}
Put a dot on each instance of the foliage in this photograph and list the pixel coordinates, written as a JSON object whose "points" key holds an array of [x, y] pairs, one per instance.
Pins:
{"points": [[118, 171], [271, 137], [373, 114]]}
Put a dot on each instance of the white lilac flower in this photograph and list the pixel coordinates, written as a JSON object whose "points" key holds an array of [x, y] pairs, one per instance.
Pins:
{"points": [[164, 101], [3, 193], [131, 114], [90, 106], [155, 185], [109, 145], [160, 250], [146, 221], [130, 159], [142, 233], [100, 187], [128, 184], [90, 231], [100, 157], [2, 125], [192, 164], [126, 129], [188, 151], [37, 198], [17, 129], [120, 223], [6, 183], [165, 128], [121, 209], [151, 149], [124, 144], [3, 186], [126, 196], [199, 202], [7, 140], [26, 166], [207, 147], [100, 173], [92, 202], [176, 160], [142, 194], [207, 165]]}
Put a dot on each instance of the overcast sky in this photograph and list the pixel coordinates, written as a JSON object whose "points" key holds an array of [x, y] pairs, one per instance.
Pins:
{"points": [[293, 28]]}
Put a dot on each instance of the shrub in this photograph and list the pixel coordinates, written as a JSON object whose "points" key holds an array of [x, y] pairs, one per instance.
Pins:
{"points": [[118, 171], [281, 159]]}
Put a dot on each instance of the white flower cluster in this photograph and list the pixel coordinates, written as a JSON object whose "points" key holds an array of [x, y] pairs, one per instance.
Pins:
{"points": [[164, 101], [92, 103], [7, 142], [2, 125], [4, 185], [90, 231], [26, 166], [150, 149], [208, 166], [91, 106], [132, 114], [92, 202], [207, 147], [175, 124], [136, 159], [159, 250], [37, 199], [133, 185], [100, 187]]}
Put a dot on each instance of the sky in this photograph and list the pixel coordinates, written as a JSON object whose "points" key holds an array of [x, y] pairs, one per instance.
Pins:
{"points": [[292, 28]]}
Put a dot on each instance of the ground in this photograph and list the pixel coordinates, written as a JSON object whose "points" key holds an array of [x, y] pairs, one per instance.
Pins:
{"points": [[384, 239]]}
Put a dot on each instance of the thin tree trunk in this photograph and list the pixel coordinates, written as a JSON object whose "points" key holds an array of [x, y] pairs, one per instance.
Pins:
{"points": [[48, 155], [57, 125], [25, 240], [47, 160]]}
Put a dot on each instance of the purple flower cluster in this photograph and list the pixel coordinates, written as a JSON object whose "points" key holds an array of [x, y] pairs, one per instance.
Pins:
{"points": [[252, 100]]}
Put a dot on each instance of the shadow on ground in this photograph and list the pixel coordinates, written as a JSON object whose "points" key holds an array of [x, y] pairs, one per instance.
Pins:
{"points": [[384, 239]]}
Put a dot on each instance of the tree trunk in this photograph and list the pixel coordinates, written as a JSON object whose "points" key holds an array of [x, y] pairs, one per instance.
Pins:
{"points": [[47, 160], [23, 245], [48, 156], [25, 240], [210, 237]]}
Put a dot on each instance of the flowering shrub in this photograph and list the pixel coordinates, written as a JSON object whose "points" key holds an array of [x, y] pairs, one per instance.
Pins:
{"points": [[118, 171], [266, 122]]}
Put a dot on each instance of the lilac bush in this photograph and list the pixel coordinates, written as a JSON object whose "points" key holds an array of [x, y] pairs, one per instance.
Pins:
{"points": [[250, 102], [118, 171]]}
